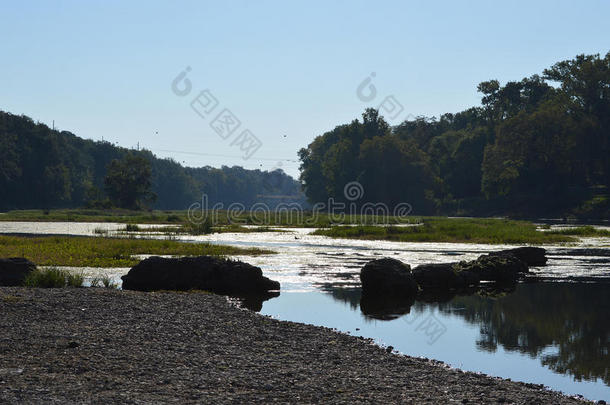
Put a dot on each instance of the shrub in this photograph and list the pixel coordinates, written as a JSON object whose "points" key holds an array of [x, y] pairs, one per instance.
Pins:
{"points": [[53, 278], [132, 228]]}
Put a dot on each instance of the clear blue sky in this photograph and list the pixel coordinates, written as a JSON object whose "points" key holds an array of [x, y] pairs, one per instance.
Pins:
{"points": [[104, 68]]}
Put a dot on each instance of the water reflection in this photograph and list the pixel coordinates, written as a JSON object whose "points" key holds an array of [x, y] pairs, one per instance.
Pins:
{"points": [[571, 318], [565, 325], [254, 302]]}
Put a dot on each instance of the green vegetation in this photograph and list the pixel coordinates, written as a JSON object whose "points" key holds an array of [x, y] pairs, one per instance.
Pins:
{"points": [[104, 281], [131, 228], [192, 228], [456, 230], [582, 231], [105, 252], [96, 215], [219, 220], [535, 147], [53, 278], [127, 182], [44, 168]]}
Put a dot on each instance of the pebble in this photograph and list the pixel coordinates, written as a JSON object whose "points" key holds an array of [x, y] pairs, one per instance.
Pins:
{"points": [[137, 347]]}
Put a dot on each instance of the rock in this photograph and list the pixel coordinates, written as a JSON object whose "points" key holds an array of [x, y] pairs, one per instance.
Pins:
{"points": [[387, 277], [436, 276], [14, 270], [222, 276], [531, 256], [500, 268]]}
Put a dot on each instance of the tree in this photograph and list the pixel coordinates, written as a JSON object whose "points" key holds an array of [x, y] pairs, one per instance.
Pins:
{"points": [[127, 182], [396, 171]]}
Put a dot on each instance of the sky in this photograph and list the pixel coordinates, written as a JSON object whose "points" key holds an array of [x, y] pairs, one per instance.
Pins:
{"points": [[285, 71]]}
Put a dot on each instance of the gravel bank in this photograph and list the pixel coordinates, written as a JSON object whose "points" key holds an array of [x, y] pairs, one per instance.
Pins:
{"points": [[100, 346]]}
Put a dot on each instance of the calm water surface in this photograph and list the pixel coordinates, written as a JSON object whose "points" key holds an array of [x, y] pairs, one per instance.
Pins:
{"points": [[552, 333]]}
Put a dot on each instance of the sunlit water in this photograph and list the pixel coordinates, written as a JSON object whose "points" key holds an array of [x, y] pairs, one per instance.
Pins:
{"points": [[556, 334]]}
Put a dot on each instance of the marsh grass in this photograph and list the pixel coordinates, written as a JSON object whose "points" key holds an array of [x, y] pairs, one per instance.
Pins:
{"points": [[103, 281], [582, 231], [106, 252], [131, 228], [217, 218], [100, 231], [454, 230], [53, 278], [192, 228]]}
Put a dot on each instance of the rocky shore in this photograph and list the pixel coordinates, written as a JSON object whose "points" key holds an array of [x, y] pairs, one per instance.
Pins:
{"points": [[94, 345]]}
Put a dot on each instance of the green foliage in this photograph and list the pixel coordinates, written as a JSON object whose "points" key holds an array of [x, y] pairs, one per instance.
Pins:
{"points": [[528, 141], [582, 231], [193, 228], [127, 182], [53, 278], [106, 252], [131, 228], [103, 281], [453, 230], [43, 168]]}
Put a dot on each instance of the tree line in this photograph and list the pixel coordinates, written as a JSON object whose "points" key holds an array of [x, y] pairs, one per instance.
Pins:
{"points": [[535, 147], [44, 168]]}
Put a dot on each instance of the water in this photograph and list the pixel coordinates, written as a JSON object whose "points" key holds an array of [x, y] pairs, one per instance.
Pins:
{"points": [[554, 334]]}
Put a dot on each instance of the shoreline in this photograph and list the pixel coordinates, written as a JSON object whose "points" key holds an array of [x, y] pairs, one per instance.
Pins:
{"points": [[99, 345]]}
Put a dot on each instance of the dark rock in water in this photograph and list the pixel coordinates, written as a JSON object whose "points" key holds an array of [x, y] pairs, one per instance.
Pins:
{"points": [[467, 278], [207, 273], [387, 277], [436, 276], [502, 268], [14, 270], [531, 256]]}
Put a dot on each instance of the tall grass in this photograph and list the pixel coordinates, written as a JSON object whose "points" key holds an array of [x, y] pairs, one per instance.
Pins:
{"points": [[582, 231], [456, 230], [216, 218], [104, 281], [53, 278], [85, 251], [192, 228]]}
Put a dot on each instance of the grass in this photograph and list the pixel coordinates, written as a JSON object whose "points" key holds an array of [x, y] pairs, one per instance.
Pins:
{"points": [[131, 228], [582, 231], [217, 218], [105, 282], [96, 215], [53, 278], [455, 230], [105, 252], [100, 231], [193, 228]]}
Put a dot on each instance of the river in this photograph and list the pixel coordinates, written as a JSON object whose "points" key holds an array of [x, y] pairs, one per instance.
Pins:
{"points": [[555, 333]]}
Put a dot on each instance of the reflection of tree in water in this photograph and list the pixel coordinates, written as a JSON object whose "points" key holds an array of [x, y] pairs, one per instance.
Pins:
{"points": [[570, 319], [340, 292]]}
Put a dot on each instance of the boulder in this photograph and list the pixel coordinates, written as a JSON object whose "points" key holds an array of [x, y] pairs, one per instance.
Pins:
{"points": [[209, 273], [500, 268], [387, 277], [531, 256], [14, 270], [436, 276]]}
